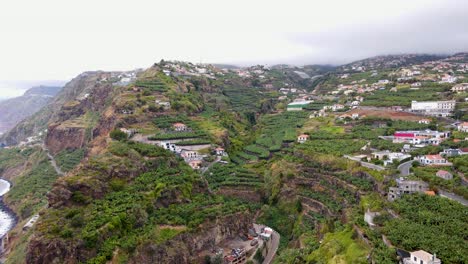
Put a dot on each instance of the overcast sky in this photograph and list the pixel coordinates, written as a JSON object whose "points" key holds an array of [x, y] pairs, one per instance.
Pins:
{"points": [[57, 39]]}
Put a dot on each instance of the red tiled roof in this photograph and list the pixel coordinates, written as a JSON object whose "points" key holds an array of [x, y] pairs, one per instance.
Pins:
{"points": [[434, 157]]}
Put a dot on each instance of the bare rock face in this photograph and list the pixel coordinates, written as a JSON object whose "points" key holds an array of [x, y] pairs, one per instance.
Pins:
{"points": [[62, 137], [185, 247]]}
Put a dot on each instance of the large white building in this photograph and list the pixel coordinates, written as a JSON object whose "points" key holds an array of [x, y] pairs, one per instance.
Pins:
{"points": [[434, 108]]}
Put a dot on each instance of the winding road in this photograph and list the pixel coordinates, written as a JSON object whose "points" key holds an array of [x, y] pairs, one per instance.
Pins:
{"points": [[404, 168], [366, 164]]}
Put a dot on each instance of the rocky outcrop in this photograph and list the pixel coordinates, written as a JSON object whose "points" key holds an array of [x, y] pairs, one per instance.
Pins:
{"points": [[62, 137], [185, 247]]}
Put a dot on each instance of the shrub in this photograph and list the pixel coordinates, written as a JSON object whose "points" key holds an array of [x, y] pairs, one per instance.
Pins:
{"points": [[116, 134]]}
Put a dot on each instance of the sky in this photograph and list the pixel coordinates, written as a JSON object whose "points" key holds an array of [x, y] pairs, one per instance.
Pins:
{"points": [[57, 40]]}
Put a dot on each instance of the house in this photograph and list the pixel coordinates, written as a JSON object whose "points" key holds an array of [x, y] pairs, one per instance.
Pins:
{"points": [[388, 157], [433, 160], [266, 233], [406, 187], [195, 164], [169, 146], [450, 152], [421, 257], [416, 84], [463, 127], [448, 79], [460, 87], [424, 121], [420, 137], [302, 138], [337, 107], [189, 154], [433, 108], [179, 127], [444, 175], [220, 151]]}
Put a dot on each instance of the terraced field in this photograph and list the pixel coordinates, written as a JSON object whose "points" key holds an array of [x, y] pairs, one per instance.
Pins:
{"points": [[221, 175], [276, 130]]}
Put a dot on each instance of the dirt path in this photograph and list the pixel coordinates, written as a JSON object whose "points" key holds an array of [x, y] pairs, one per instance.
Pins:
{"points": [[53, 162]]}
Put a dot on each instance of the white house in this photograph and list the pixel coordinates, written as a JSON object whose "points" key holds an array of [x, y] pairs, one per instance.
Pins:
{"points": [[302, 138], [179, 127], [424, 121], [421, 257], [433, 160]]}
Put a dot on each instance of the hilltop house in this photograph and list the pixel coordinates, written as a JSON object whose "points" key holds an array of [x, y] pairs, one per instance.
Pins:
{"points": [[179, 127], [302, 138], [421, 257], [444, 175], [406, 187], [433, 160]]}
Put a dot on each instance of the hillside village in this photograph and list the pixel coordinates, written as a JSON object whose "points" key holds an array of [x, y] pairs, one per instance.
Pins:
{"points": [[366, 162]]}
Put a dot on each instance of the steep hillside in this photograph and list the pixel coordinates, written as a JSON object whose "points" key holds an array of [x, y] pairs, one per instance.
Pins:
{"points": [[14, 110], [176, 163], [72, 98]]}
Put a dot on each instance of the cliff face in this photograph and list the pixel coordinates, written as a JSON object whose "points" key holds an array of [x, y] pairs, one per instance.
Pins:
{"points": [[186, 247], [76, 95], [60, 138], [76, 121]]}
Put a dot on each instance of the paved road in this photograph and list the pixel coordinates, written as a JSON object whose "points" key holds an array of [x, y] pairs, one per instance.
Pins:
{"points": [[366, 164], [404, 168], [453, 197], [272, 245]]}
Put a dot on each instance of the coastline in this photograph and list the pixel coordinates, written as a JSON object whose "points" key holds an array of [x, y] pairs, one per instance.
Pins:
{"points": [[5, 208]]}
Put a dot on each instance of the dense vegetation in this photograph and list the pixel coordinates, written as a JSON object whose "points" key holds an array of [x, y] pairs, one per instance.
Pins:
{"points": [[436, 224]]}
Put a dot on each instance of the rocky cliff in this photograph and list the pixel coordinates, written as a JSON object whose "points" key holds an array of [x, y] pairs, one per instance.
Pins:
{"points": [[76, 95], [186, 247]]}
